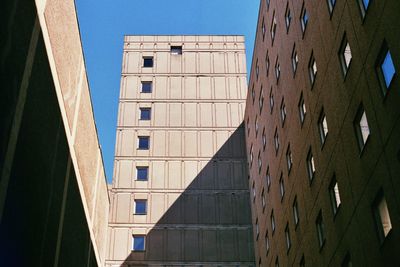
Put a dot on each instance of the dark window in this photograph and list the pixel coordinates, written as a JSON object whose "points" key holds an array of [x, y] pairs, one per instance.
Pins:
{"points": [[146, 87], [320, 230], [281, 187], [310, 166], [288, 17], [142, 173], [347, 261], [138, 243], [144, 142], [302, 109], [145, 114], [304, 19], [287, 237], [363, 6], [295, 59], [331, 5], [268, 178], [176, 50], [296, 217], [273, 222], [289, 159], [140, 206], [147, 62]]}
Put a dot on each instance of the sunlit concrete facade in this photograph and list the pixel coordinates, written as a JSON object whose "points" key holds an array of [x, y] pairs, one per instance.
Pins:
{"points": [[323, 138], [53, 194], [196, 192]]}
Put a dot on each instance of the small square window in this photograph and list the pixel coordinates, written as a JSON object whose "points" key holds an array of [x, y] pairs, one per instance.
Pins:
{"points": [[176, 50], [146, 87], [345, 55], [273, 222], [304, 19], [322, 127], [382, 216], [295, 59], [289, 159], [142, 173], [302, 109], [147, 62], [140, 206], [145, 114], [310, 166], [363, 4], [144, 142], [276, 140], [296, 217], [281, 187], [277, 69], [283, 112], [287, 237], [361, 127], [312, 69], [288, 17], [138, 243], [331, 5], [320, 230], [268, 178], [334, 195], [386, 70]]}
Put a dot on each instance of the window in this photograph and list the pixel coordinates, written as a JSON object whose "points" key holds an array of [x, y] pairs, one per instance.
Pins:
{"points": [[142, 173], [256, 125], [267, 63], [277, 69], [272, 222], [253, 189], [386, 70], [257, 230], [147, 62], [361, 127], [331, 5], [138, 243], [310, 166], [288, 17], [267, 246], [334, 195], [363, 6], [304, 19], [302, 109], [322, 127], [268, 177], [144, 142], [263, 29], [271, 101], [296, 217], [283, 111], [263, 199], [251, 154], [248, 125], [259, 162], [253, 93], [345, 55], [261, 100], [289, 159], [140, 206], [281, 187], [312, 69], [176, 50], [302, 262], [295, 59], [264, 139], [273, 27], [145, 114], [257, 69], [267, 1], [146, 87], [382, 216], [276, 140], [320, 230], [277, 262], [287, 237]]}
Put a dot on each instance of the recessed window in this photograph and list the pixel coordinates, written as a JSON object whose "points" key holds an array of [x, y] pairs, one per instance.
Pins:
{"points": [[145, 114], [138, 242], [253, 189], [288, 17], [253, 93], [331, 5], [142, 173], [277, 262], [273, 27], [248, 125], [283, 112], [320, 230], [302, 109], [281, 187], [345, 55], [147, 62], [271, 101], [257, 230], [303, 262], [147, 87], [277, 69], [289, 159], [386, 70], [267, 1], [304, 19], [261, 100], [267, 246], [382, 216], [295, 59], [296, 217], [267, 63], [322, 127], [257, 69], [363, 4], [334, 195], [272, 222], [263, 203], [263, 29], [140, 206], [310, 165], [259, 162], [143, 142], [312, 69], [276, 140], [268, 178], [264, 139], [287, 237], [176, 50], [256, 127], [251, 154], [361, 127]]}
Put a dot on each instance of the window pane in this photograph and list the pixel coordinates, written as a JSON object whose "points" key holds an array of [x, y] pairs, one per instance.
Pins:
{"points": [[364, 127], [143, 142], [145, 113], [140, 206], [384, 217], [388, 69], [148, 62], [138, 243], [146, 87], [176, 50], [142, 173]]}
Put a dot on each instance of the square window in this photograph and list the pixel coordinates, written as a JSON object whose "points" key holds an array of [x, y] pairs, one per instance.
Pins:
{"points": [[145, 114], [140, 206], [176, 50], [144, 142], [320, 230], [295, 59], [345, 55], [310, 166], [142, 173], [281, 187], [146, 87], [302, 109], [296, 217], [334, 195], [288, 17], [382, 216], [138, 243], [312, 69], [322, 127], [304, 19], [331, 5], [287, 237], [361, 127], [147, 62], [386, 70]]}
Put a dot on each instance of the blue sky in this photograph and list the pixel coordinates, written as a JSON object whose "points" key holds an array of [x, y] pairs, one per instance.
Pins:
{"points": [[103, 23]]}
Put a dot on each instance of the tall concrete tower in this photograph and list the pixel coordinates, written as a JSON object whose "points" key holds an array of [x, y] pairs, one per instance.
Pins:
{"points": [[180, 190]]}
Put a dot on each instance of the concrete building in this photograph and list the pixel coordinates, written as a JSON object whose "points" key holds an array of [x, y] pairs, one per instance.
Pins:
{"points": [[179, 195], [53, 194], [322, 133]]}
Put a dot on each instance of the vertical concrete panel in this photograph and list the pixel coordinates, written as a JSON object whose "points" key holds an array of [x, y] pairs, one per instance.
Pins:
{"points": [[134, 62], [235, 114], [174, 174], [191, 208], [190, 88], [190, 172], [120, 243], [175, 141], [242, 62], [221, 114], [175, 91], [176, 63], [205, 87], [224, 175], [205, 62], [160, 87], [130, 113], [190, 144], [128, 138], [233, 88], [123, 207], [220, 88], [190, 62], [159, 143], [191, 245], [209, 245], [132, 87], [125, 174], [158, 174], [208, 208], [221, 141], [160, 114], [232, 63], [206, 115], [162, 62], [227, 245], [206, 144], [174, 245], [175, 114], [157, 207], [219, 62]]}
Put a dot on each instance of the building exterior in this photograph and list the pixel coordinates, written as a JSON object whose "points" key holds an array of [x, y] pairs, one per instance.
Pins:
{"points": [[53, 194], [322, 133], [179, 195]]}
